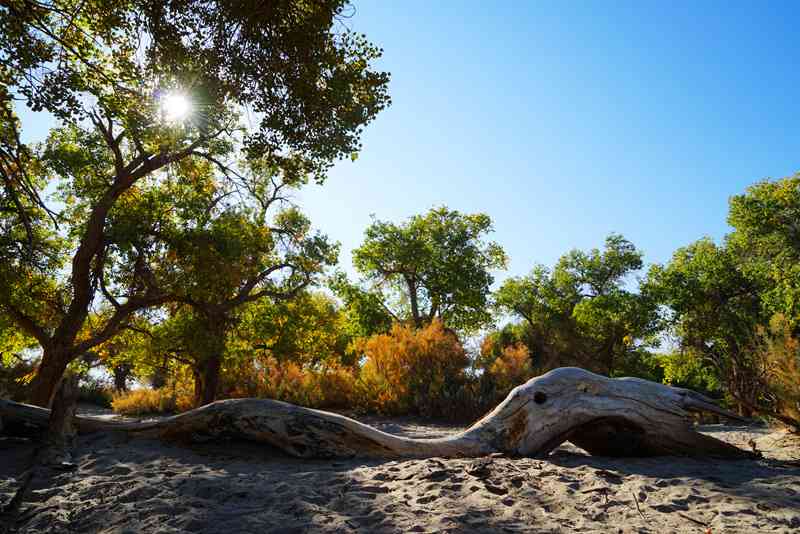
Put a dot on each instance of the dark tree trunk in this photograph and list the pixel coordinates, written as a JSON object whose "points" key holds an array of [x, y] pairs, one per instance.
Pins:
{"points": [[121, 374], [412, 296], [48, 376], [159, 378], [209, 365], [197, 373], [206, 381], [211, 380]]}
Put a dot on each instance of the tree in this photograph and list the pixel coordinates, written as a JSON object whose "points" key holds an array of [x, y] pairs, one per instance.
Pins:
{"points": [[307, 330], [766, 241], [14, 365], [435, 265], [105, 70], [304, 333], [364, 311], [295, 350], [221, 244], [735, 307], [714, 309], [580, 313]]}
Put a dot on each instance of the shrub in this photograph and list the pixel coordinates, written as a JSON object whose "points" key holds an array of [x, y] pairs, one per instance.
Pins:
{"points": [[512, 368], [144, 401], [414, 371], [176, 397], [329, 385], [503, 364], [687, 370], [780, 356], [337, 386]]}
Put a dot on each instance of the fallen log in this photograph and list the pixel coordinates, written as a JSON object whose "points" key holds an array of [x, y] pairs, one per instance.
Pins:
{"points": [[604, 416]]}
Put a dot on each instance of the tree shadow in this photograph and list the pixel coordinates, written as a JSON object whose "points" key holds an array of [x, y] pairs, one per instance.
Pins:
{"points": [[141, 485]]}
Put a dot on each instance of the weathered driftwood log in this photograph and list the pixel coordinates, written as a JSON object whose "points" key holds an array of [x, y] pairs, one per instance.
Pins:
{"points": [[604, 416]]}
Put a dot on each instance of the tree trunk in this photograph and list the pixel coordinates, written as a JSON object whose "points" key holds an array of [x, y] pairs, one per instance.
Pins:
{"points": [[216, 325], [121, 374], [159, 378], [48, 376], [412, 297], [616, 417], [206, 381], [61, 427]]}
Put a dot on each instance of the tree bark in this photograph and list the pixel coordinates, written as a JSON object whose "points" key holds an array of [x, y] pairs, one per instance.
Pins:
{"points": [[616, 417], [207, 373], [61, 426], [412, 297], [206, 383], [48, 376], [121, 374]]}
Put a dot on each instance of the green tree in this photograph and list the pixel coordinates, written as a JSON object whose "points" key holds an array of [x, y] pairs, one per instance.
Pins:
{"points": [[227, 267], [581, 312], [715, 310], [104, 70], [307, 330], [14, 364], [217, 245], [766, 242], [433, 266], [365, 313]]}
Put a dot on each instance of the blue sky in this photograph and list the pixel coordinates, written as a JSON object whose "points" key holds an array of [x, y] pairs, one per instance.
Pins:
{"points": [[565, 121]]}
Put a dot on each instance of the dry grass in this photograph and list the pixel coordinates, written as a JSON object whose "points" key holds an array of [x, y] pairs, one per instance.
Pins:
{"points": [[151, 401]]}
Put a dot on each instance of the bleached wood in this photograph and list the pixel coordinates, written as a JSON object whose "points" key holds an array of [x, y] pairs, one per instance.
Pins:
{"points": [[618, 417]]}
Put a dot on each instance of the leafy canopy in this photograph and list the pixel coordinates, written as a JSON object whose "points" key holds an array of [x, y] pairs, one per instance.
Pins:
{"points": [[766, 239], [581, 311], [104, 69], [436, 265]]}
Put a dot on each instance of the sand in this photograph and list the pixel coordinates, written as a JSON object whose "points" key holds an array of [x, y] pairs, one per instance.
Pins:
{"points": [[133, 486]]}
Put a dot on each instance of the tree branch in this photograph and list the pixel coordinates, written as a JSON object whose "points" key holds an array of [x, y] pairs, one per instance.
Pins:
{"points": [[27, 324], [115, 323]]}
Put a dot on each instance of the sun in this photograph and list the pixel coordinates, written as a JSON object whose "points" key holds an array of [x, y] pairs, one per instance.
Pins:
{"points": [[175, 107]]}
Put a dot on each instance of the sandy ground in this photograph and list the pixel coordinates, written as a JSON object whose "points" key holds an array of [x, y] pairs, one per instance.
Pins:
{"points": [[135, 486]]}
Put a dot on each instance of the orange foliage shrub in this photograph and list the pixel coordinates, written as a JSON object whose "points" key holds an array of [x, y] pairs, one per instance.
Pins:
{"points": [[407, 371], [176, 396], [512, 368], [328, 386], [501, 367], [413, 371]]}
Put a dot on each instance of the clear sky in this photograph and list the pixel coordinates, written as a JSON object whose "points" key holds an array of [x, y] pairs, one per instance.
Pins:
{"points": [[565, 121]]}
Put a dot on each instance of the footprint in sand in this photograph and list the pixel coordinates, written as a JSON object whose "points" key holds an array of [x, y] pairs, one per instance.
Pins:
{"points": [[118, 471], [497, 490], [138, 494], [425, 499]]}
